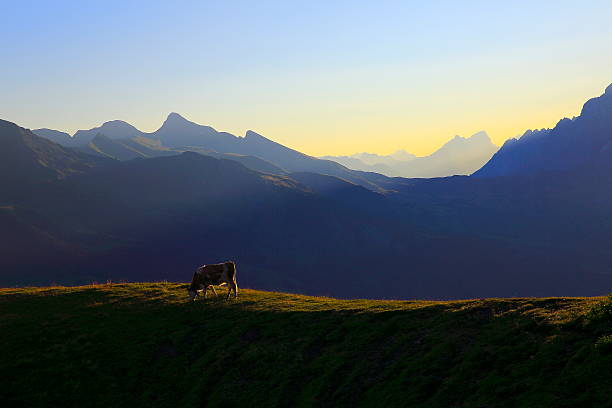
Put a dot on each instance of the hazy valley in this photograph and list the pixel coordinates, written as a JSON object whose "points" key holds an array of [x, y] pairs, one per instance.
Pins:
{"points": [[458, 156], [116, 203]]}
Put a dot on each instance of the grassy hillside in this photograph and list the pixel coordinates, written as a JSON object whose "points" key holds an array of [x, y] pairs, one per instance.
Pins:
{"points": [[143, 344]]}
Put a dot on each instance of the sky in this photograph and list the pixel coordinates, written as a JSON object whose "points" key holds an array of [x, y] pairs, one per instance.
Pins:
{"points": [[323, 77]]}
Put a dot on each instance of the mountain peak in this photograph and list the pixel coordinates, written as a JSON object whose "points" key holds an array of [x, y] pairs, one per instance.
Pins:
{"points": [[175, 120], [176, 131], [173, 116], [480, 136], [114, 129], [253, 135], [479, 140], [117, 124], [600, 105]]}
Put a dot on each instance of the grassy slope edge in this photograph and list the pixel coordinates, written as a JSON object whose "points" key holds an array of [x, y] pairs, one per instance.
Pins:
{"points": [[143, 344]]}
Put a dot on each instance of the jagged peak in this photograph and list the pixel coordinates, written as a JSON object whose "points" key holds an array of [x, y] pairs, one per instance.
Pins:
{"points": [[253, 135], [173, 116], [563, 122], [176, 120], [601, 104]]}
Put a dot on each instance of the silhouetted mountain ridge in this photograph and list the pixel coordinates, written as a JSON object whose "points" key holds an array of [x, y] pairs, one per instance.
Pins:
{"points": [[55, 136], [571, 143], [180, 134]]}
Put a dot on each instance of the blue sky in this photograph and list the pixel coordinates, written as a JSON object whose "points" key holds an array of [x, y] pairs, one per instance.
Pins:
{"points": [[325, 77]]}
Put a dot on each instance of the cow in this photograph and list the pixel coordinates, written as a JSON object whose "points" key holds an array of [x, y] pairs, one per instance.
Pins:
{"points": [[215, 274]]}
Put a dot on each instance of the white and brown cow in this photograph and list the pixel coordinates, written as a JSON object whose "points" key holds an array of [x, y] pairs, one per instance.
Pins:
{"points": [[215, 274]]}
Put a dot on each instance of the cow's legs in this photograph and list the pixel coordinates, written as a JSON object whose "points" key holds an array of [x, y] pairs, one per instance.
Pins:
{"points": [[232, 286], [214, 290]]}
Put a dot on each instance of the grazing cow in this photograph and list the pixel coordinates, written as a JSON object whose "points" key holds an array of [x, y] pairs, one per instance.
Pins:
{"points": [[215, 274]]}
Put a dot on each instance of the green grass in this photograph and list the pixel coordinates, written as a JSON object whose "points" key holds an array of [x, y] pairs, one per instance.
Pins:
{"points": [[143, 344]]}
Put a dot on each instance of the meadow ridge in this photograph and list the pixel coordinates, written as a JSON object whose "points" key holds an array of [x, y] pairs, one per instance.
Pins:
{"points": [[144, 344]]}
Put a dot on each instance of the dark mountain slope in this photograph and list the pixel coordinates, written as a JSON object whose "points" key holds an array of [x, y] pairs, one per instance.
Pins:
{"points": [[124, 149], [250, 162], [55, 136], [26, 239], [293, 161], [344, 193], [572, 143], [159, 217], [114, 149], [26, 158]]}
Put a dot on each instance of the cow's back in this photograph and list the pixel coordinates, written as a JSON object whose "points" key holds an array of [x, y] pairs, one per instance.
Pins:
{"points": [[215, 274], [231, 271]]}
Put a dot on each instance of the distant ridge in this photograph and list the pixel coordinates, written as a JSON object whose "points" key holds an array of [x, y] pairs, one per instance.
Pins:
{"points": [[458, 156], [570, 144]]}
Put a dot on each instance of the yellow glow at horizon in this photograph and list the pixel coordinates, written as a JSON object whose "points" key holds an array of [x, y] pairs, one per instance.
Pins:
{"points": [[421, 133]]}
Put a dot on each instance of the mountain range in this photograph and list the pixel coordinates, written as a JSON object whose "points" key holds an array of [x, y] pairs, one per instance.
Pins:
{"points": [[122, 141], [126, 205], [459, 156]]}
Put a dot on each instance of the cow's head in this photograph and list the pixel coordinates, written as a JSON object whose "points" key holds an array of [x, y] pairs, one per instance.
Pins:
{"points": [[191, 290], [192, 294]]}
